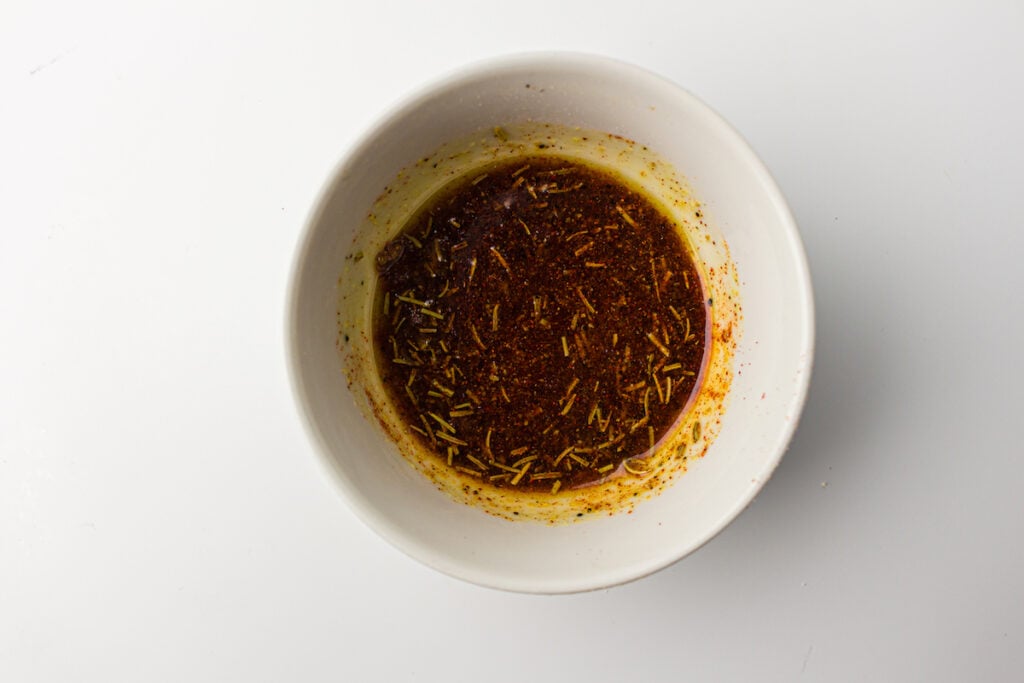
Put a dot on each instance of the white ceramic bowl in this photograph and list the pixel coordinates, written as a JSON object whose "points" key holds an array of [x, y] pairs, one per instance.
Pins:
{"points": [[772, 359]]}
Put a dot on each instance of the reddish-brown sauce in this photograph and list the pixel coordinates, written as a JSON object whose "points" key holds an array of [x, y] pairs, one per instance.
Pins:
{"points": [[539, 324]]}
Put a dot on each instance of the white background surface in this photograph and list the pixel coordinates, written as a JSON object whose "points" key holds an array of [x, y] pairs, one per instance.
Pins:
{"points": [[162, 515]]}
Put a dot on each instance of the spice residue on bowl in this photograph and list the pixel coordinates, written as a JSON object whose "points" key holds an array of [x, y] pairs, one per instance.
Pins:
{"points": [[540, 325]]}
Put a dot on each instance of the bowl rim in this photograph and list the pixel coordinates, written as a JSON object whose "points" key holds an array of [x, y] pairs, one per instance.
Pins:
{"points": [[492, 66]]}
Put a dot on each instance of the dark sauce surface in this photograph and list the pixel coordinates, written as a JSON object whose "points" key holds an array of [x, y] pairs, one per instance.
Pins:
{"points": [[539, 324]]}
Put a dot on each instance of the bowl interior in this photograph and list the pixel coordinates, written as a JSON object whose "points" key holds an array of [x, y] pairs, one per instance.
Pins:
{"points": [[774, 354]]}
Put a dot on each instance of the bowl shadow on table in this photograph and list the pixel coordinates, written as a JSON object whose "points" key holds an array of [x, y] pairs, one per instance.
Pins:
{"points": [[777, 532]]}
